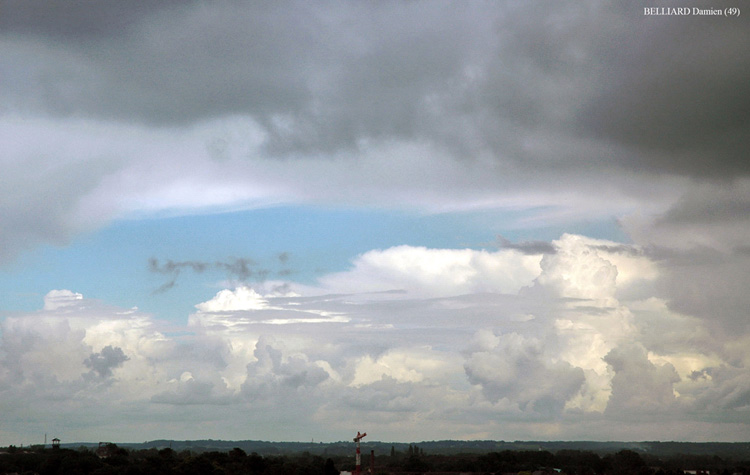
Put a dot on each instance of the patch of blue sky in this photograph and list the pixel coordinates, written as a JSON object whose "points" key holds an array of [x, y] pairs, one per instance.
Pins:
{"points": [[296, 243]]}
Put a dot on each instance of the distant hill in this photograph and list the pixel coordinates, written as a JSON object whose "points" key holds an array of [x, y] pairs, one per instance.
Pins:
{"points": [[727, 450]]}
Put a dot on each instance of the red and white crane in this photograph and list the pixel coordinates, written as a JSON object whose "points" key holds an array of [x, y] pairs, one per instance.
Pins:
{"points": [[358, 468]]}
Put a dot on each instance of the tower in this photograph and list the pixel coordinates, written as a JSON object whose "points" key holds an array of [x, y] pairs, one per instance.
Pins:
{"points": [[358, 464]]}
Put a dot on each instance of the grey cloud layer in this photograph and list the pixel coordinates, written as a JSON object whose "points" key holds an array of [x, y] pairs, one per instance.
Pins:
{"points": [[588, 109], [651, 93]]}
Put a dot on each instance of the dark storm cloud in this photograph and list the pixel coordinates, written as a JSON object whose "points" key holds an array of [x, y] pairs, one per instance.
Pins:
{"points": [[699, 243], [77, 20], [704, 208], [698, 255], [662, 95], [674, 91], [172, 65], [713, 289], [706, 284]]}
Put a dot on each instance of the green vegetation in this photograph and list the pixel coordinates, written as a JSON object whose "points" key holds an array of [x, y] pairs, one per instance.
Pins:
{"points": [[166, 461], [397, 459]]}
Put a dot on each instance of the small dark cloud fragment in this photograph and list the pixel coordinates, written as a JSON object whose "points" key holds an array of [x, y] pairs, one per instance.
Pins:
{"points": [[165, 286], [239, 269], [283, 257], [527, 247], [282, 289], [619, 249], [102, 363], [171, 267], [696, 375]]}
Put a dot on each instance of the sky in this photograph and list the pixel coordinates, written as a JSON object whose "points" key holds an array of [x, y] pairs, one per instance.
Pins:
{"points": [[422, 220]]}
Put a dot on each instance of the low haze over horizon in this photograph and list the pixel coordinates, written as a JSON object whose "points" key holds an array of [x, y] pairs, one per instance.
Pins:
{"points": [[425, 220]]}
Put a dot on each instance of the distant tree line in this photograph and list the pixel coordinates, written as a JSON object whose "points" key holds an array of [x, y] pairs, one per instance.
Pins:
{"points": [[120, 461], [414, 460], [570, 462]]}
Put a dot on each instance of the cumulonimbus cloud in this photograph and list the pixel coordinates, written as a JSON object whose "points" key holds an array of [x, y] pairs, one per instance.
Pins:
{"points": [[545, 353]]}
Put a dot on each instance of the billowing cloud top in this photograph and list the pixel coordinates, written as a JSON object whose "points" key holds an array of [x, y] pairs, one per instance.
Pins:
{"points": [[567, 347]]}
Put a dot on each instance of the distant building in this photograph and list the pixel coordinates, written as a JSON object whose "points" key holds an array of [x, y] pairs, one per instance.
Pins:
{"points": [[105, 450], [55, 443]]}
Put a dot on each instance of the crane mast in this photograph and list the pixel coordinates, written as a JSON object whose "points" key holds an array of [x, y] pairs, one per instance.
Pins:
{"points": [[358, 468]]}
